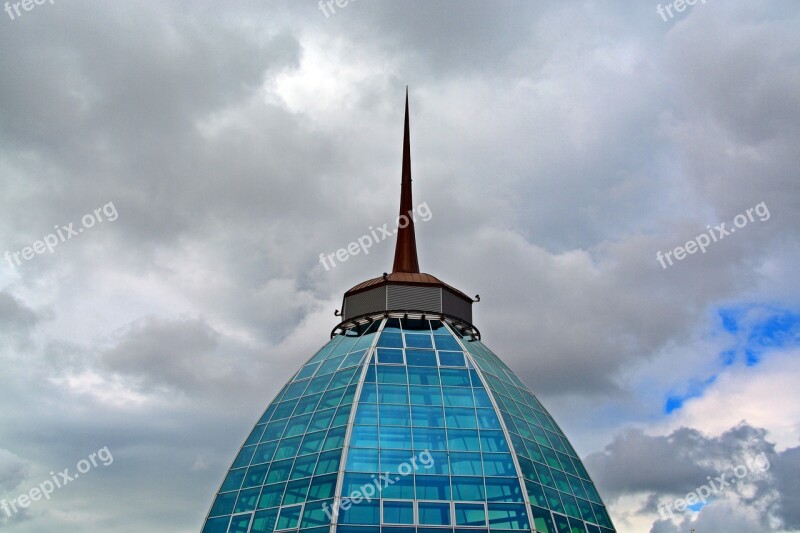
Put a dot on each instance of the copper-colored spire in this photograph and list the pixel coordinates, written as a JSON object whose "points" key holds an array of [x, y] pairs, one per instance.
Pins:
{"points": [[405, 252]]}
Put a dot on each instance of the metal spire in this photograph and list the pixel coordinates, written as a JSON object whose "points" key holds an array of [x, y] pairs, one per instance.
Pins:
{"points": [[405, 252]]}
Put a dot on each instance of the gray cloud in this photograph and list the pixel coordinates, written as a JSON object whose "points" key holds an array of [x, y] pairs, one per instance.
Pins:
{"points": [[671, 466]]}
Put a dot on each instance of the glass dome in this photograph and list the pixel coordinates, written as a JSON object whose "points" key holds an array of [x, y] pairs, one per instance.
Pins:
{"points": [[406, 425]]}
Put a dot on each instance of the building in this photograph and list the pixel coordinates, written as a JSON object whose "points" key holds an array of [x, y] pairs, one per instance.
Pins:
{"points": [[405, 422]]}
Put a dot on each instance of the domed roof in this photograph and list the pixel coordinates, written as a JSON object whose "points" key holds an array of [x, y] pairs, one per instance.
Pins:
{"points": [[405, 422]]}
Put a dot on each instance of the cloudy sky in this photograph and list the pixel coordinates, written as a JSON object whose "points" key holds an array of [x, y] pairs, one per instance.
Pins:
{"points": [[187, 162]]}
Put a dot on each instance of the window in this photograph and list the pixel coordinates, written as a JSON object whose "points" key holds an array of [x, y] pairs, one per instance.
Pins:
{"points": [[289, 517], [451, 358], [507, 516], [470, 514], [466, 463], [432, 487], [264, 521], [434, 514], [468, 488], [296, 492], [397, 512], [364, 512], [426, 416], [421, 357], [389, 356], [414, 340], [272, 495], [362, 460]]}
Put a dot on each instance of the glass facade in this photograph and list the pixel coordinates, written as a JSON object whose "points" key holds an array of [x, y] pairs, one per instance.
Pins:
{"points": [[405, 426]]}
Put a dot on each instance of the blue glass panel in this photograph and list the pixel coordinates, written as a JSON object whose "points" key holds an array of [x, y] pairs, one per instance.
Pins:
{"points": [[503, 490], [392, 459], [303, 466], [432, 487], [217, 525], [415, 340], [328, 462], [561, 481], [264, 521], [233, 481], [395, 415], [255, 435], [311, 442], [279, 470], [457, 396], [390, 340], [562, 525], [296, 492], [468, 488], [455, 377], [466, 463], [482, 398], [392, 394], [271, 495], [392, 374], [493, 441], [367, 414], [289, 517], [586, 510], [288, 448], [317, 514], [369, 393], [420, 395], [297, 425], [335, 438], [499, 464], [243, 459], [363, 512], [401, 489], [577, 487], [398, 512], [295, 390], [364, 436], [362, 460], [446, 343], [321, 419], [430, 439], [460, 417], [434, 514], [255, 475], [451, 358], [435, 462], [507, 516], [536, 493], [420, 375], [470, 514], [543, 520], [390, 356], [463, 440], [487, 419], [602, 515], [545, 477], [395, 437], [553, 499], [322, 487], [426, 416], [224, 504], [421, 357]]}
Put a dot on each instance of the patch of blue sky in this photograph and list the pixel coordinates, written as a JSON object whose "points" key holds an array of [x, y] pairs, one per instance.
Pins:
{"points": [[757, 328], [695, 389]]}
